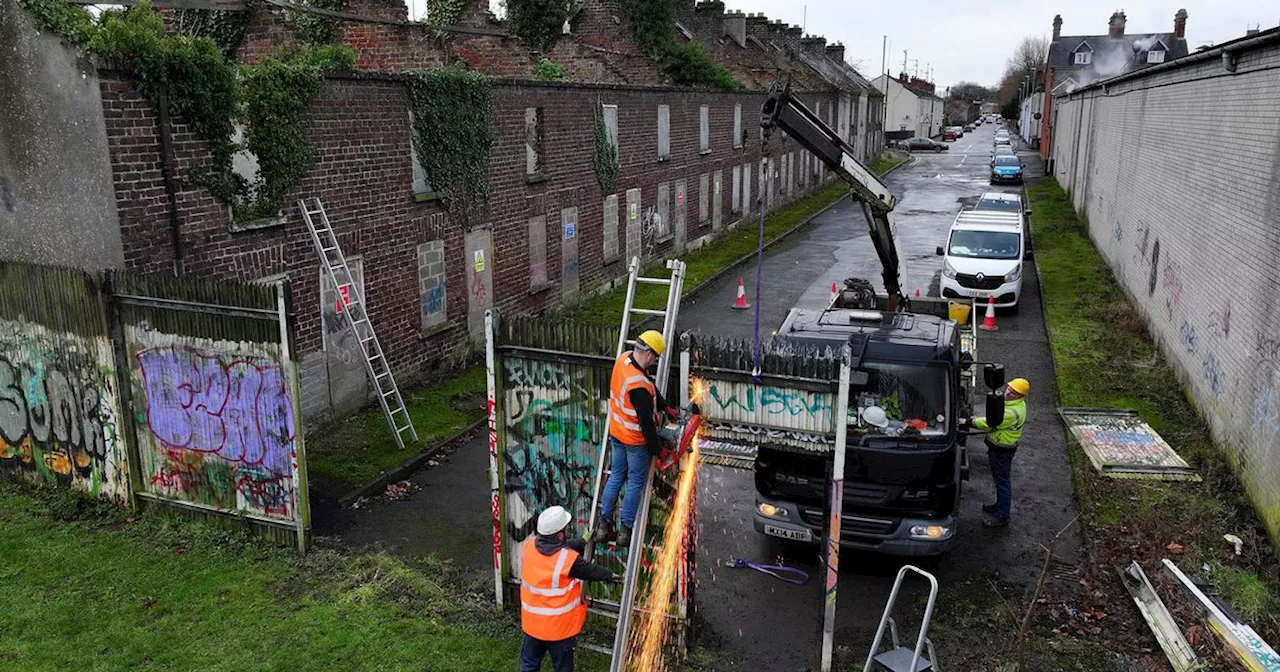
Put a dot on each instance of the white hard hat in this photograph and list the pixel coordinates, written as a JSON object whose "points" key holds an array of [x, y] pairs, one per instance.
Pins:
{"points": [[874, 416], [553, 520]]}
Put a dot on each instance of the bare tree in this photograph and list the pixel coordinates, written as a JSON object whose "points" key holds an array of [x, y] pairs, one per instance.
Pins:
{"points": [[1030, 55]]}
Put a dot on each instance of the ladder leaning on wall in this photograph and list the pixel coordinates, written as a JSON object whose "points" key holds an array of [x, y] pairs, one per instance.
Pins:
{"points": [[353, 308]]}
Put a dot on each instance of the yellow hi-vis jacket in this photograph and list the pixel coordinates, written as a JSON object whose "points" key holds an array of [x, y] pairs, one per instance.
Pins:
{"points": [[1007, 434]]}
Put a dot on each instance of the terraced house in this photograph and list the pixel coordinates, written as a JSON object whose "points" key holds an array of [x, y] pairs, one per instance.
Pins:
{"points": [[588, 152]]}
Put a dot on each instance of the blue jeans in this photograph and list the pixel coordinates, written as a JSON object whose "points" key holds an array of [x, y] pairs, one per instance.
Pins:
{"points": [[532, 651], [1001, 460], [632, 464]]}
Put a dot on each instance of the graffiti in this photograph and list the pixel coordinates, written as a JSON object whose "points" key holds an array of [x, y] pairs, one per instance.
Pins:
{"points": [[773, 401], [1118, 232], [435, 299], [1213, 374], [8, 200], [650, 230], [768, 433], [1155, 266], [1267, 347], [478, 291], [1187, 334], [1173, 286], [1221, 320], [221, 483], [238, 410], [1266, 412]]}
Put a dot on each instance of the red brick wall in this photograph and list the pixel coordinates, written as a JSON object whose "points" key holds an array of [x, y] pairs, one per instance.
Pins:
{"points": [[360, 131]]}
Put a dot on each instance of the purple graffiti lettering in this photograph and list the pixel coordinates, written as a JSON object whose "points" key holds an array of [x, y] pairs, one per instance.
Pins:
{"points": [[238, 410]]}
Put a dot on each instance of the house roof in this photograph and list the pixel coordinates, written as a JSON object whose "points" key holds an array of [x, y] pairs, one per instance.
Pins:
{"points": [[1111, 55]]}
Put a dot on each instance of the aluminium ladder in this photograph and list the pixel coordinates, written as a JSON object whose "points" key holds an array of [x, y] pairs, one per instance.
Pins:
{"points": [[352, 306], [900, 658], [622, 610]]}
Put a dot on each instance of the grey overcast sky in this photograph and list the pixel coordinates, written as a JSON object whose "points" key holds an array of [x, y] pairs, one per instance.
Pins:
{"points": [[971, 40]]}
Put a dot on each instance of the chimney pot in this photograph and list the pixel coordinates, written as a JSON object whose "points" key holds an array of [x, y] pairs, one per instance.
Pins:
{"points": [[836, 52], [1180, 23], [1116, 25], [1057, 27], [735, 26]]}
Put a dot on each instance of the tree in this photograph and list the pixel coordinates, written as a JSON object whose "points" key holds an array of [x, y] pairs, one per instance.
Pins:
{"points": [[1029, 56], [969, 92]]}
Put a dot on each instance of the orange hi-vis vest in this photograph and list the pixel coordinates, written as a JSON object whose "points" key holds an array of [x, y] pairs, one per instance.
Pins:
{"points": [[624, 424], [551, 604]]}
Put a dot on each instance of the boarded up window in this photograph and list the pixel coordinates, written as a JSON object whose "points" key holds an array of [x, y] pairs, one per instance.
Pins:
{"points": [[664, 131], [532, 140], [747, 204], [611, 251], [735, 201], [704, 129], [610, 113], [538, 252], [704, 198], [420, 184], [737, 125]]}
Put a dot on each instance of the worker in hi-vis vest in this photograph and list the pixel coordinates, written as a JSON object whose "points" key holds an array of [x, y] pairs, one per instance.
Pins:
{"points": [[634, 403], [1002, 443], [552, 608]]}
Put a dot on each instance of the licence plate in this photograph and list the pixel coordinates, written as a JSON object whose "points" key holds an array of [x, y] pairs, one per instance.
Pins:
{"points": [[798, 535]]}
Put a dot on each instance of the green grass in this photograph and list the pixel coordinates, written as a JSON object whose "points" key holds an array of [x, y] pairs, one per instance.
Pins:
{"points": [[163, 592], [1106, 358], [888, 161], [354, 450]]}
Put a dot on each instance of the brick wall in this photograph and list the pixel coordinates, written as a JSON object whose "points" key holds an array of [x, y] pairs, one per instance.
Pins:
{"points": [[1178, 173], [363, 173]]}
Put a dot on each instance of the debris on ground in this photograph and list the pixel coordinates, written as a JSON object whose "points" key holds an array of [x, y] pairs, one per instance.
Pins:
{"points": [[401, 490]]}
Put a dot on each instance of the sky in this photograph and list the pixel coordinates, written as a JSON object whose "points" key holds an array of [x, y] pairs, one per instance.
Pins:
{"points": [[970, 41]]}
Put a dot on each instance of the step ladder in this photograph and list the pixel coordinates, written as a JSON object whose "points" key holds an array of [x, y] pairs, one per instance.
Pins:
{"points": [[622, 610], [900, 658], [353, 307]]}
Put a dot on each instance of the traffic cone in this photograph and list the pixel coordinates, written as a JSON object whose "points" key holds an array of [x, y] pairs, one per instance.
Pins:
{"points": [[989, 322], [835, 293], [741, 302]]}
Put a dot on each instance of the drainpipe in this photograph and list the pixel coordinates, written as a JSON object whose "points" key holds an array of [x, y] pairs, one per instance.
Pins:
{"points": [[167, 170]]}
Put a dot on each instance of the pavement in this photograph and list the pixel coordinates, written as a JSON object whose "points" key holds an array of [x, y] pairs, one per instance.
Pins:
{"points": [[748, 619]]}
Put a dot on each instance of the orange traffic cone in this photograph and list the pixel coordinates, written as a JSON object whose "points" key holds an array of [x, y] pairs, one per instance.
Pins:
{"points": [[835, 293], [741, 302], [989, 322]]}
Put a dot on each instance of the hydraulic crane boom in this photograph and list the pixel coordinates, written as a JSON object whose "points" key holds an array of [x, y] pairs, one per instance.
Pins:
{"points": [[783, 111]]}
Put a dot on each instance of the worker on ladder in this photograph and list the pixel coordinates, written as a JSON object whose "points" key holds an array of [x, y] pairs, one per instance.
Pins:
{"points": [[634, 403], [552, 608]]}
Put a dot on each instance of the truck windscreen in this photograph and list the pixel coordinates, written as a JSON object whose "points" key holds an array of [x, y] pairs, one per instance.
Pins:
{"points": [[900, 400]]}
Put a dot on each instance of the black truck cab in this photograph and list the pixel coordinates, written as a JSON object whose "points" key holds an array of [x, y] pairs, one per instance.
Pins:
{"points": [[904, 459]]}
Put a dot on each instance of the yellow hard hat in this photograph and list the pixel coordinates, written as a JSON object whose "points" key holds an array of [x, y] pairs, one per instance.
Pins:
{"points": [[653, 341], [1020, 385]]}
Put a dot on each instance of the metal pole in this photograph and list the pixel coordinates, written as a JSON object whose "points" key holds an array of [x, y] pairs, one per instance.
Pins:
{"points": [[837, 502], [491, 362]]}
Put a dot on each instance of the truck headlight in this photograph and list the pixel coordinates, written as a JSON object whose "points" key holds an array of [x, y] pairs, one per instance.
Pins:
{"points": [[1013, 275], [929, 531], [770, 511], [947, 270]]}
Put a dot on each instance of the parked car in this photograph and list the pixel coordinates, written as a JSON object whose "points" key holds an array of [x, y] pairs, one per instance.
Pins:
{"points": [[948, 134], [1000, 201], [925, 144], [983, 257], [1003, 140], [1002, 150], [969, 128], [1006, 168]]}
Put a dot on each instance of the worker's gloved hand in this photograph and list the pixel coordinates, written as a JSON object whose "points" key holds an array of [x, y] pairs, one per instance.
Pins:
{"points": [[673, 412]]}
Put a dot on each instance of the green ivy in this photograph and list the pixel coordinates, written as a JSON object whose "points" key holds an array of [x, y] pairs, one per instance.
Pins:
{"points": [[70, 22], [315, 28], [604, 159], [453, 133], [225, 27], [444, 12], [548, 71], [652, 24], [538, 22]]}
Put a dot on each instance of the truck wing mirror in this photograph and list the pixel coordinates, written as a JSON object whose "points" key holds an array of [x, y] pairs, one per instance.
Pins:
{"points": [[993, 376], [938, 251], [858, 378], [995, 409]]}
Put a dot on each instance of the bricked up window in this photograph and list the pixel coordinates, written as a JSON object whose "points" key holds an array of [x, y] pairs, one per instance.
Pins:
{"points": [[664, 131], [420, 183], [735, 200], [737, 125], [538, 252], [704, 129], [532, 140], [610, 113]]}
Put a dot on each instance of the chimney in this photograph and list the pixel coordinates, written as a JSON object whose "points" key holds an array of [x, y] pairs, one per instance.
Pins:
{"points": [[758, 26], [735, 26], [902, 77], [1180, 23], [835, 52], [814, 45], [1057, 27], [793, 35], [1116, 26]]}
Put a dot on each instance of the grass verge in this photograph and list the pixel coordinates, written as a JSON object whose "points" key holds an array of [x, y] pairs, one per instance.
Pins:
{"points": [[354, 450], [887, 161], [162, 592], [1106, 358]]}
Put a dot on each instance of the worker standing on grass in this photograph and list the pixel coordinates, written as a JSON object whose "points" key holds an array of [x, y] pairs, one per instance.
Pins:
{"points": [[552, 609], [1002, 443], [634, 403]]}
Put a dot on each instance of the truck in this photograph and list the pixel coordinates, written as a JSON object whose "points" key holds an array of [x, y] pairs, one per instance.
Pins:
{"points": [[915, 377]]}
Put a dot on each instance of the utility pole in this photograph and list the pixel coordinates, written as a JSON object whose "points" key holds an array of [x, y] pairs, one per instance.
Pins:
{"points": [[904, 61]]}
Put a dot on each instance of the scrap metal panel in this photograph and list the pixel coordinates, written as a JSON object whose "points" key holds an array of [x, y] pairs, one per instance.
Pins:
{"points": [[1121, 445]]}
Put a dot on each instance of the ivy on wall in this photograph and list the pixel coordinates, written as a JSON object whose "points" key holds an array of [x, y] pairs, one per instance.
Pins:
{"points": [[687, 64], [604, 158], [316, 28], [453, 133], [225, 27], [444, 12], [211, 93], [547, 70], [538, 22]]}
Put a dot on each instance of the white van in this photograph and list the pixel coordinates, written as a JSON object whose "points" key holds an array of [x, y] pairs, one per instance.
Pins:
{"points": [[984, 257]]}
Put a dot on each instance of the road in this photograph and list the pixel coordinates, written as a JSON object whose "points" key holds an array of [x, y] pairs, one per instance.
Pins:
{"points": [[755, 621]]}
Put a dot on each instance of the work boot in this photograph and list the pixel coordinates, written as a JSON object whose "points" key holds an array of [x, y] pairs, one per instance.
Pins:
{"points": [[604, 532], [624, 537], [993, 521], [989, 509]]}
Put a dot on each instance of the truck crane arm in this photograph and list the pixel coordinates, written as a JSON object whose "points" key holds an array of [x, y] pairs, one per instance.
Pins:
{"points": [[784, 111]]}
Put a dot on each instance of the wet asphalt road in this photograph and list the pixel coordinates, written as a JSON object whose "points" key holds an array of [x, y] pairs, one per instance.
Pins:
{"points": [[749, 620], [754, 621]]}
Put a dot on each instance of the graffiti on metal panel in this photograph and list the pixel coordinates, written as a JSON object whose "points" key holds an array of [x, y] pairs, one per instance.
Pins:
{"points": [[1187, 334], [771, 400], [1213, 374], [1221, 320], [769, 433], [1267, 347], [224, 428], [478, 290], [1173, 287], [1266, 412], [56, 419]]}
